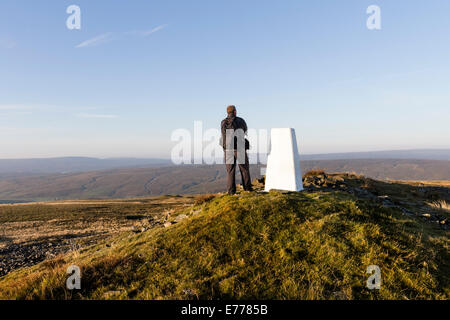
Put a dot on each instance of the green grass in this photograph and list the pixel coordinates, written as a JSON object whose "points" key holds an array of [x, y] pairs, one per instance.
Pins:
{"points": [[257, 246]]}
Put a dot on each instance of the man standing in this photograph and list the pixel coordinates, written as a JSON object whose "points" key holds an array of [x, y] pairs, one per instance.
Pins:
{"points": [[235, 147]]}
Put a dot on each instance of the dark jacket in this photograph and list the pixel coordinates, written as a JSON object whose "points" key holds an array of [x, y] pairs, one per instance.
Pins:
{"points": [[235, 123]]}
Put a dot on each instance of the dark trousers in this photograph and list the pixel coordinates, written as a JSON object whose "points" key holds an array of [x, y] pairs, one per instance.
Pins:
{"points": [[245, 174]]}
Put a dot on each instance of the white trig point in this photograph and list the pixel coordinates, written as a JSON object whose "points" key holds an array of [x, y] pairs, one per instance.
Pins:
{"points": [[283, 163]]}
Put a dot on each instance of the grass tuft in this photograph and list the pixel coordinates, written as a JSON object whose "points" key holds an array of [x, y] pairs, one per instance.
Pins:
{"points": [[203, 198], [314, 172]]}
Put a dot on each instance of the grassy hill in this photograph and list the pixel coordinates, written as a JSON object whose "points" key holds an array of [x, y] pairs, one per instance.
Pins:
{"points": [[141, 182], [315, 244]]}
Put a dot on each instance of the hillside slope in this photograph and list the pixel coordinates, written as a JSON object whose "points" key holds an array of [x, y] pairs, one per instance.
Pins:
{"points": [[315, 244]]}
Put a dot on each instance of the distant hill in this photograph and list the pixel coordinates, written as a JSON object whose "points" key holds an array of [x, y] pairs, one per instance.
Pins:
{"points": [[9, 167], [424, 154], [137, 182], [383, 169]]}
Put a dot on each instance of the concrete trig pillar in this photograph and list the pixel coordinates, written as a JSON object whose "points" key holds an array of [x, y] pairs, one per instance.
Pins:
{"points": [[283, 163]]}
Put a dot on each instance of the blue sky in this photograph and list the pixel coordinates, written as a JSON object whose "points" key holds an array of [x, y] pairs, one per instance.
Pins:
{"points": [[161, 65]]}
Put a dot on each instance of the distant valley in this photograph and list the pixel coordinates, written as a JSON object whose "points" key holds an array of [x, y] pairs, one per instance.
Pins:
{"points": [[187, 179]]}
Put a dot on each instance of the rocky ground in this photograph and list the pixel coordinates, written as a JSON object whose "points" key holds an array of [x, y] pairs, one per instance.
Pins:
{"points": [[25, 244], [31, 233], [15, 256], [427, 202]]}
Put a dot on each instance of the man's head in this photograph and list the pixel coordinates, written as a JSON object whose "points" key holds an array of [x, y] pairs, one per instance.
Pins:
{"points": [[231, 110]]}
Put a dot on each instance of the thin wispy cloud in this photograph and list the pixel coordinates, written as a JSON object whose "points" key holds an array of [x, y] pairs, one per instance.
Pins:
{"points": [[98, 40], [108, 37], [98, 116], [14, 110], [14, 114], [13, 107], [9, 107], [146, 33]]}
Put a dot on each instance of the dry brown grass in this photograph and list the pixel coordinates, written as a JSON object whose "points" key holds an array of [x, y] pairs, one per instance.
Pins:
{"points": [[440, 205], [438, 183], [54, 263], [203, 198], [314, 172]]}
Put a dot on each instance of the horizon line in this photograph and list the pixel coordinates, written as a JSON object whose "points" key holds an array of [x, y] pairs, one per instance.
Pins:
{"points": [[168, 158]]}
